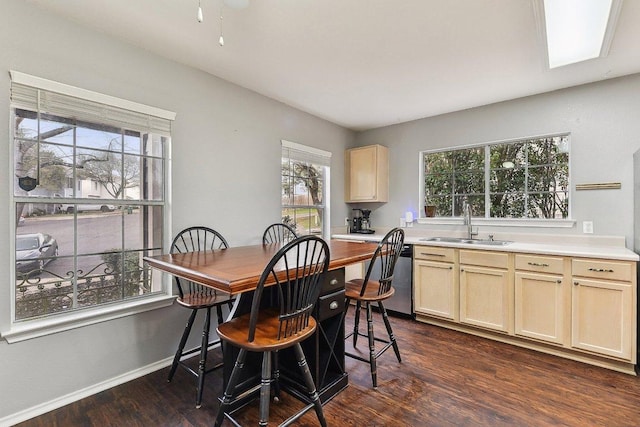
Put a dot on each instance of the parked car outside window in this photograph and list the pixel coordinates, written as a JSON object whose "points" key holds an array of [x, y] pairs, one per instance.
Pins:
{"points": [[34, 251], [87, 208]]}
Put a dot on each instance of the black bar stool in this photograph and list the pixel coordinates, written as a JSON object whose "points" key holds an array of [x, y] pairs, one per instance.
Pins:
{"points": [[368, 291], [198, 297], [296, 270]]}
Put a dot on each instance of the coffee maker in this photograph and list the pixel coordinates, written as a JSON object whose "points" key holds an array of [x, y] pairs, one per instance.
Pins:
{"points": [[360, 222]]}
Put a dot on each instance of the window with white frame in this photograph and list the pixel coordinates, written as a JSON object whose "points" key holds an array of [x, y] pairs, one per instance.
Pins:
{"points": [[305, 188], [524, 179], [89, 197]]}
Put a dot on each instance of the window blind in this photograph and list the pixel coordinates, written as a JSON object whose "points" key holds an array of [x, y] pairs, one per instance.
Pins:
{"points": [[46, 96], [303, 153]]}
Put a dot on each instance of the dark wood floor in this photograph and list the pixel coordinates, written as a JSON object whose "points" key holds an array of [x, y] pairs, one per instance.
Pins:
{"points": [[446, 378]]}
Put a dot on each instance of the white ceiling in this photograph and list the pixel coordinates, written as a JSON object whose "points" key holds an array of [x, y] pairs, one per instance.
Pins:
{"points": [[362, 63]]}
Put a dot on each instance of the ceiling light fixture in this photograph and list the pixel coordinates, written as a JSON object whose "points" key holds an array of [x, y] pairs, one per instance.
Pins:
{"points": [[577, 30], [221, 39], [234, 4]]}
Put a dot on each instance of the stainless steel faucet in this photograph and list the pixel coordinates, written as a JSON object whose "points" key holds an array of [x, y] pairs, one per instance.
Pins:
{"points": [[466, 211]]}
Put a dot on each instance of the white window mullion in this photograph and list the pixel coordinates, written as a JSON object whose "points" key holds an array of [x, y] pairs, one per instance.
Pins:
{"points": [[487, 181]]}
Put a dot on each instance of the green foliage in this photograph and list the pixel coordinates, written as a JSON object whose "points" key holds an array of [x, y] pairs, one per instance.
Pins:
{"points": [[126, 267]]}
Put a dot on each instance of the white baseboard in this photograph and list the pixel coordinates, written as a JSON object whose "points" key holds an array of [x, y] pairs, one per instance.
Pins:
{"points": [[61, 401]]}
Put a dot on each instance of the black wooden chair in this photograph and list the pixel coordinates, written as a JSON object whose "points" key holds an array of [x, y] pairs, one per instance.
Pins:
{"points": [[198, 297], [296, 270], [368, 291], [278, 232]]}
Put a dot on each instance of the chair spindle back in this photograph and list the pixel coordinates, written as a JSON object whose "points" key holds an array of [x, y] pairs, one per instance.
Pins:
{"points": [[278, 233], [296, 270], [196, 239], [387, 254]]}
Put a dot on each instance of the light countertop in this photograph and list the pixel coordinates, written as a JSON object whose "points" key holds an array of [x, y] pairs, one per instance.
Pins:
{"points": [[607, 249]]}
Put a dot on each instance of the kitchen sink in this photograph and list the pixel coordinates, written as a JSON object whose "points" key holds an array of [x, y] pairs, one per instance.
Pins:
{"points": [[467, 241]]}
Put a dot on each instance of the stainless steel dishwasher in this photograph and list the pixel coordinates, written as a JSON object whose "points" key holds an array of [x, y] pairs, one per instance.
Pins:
{"points": [[401, 303]]}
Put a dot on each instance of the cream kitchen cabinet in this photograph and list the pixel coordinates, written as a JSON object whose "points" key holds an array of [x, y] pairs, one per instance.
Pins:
{"points": [[541, 298], [570, 306], [486, 297], [435, 278], [603, 307], [367, 174]]}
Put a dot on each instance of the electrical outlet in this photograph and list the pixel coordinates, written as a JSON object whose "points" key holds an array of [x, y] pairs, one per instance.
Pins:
{"points": [[587, 227], [346, 221]]}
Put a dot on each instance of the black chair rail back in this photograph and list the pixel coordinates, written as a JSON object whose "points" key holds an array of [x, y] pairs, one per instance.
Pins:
{"points": [[387, 254], [278, 232], [196, 239], [296, 270]]}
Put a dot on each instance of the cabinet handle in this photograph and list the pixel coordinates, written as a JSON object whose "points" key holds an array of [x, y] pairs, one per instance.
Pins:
{"points": [[601, 270], [333, 305], [333, 282], [462, 269], [535, 264], [558, 281], [428, 254], [576, 283]]}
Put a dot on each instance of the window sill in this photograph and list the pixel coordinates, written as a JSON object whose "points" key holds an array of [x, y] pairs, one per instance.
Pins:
{"points": [[504, 222], [37, 328]]}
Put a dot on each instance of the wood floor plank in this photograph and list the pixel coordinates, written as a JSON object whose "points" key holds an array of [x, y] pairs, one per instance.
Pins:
{"points": [[446, 378]]}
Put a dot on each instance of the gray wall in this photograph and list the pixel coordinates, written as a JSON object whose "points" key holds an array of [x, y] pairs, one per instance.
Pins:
{"points": [[226, 150], [604, 122], [226, 174]]}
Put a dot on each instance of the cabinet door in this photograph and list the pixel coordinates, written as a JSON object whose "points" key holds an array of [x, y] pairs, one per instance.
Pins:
{"points": [[435, 289], [539, 306], [362, 174], [602, 317], [367, 174], [484, 297]]}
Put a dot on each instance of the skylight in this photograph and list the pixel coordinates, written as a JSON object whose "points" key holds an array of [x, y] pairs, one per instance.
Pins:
{"points": [[576, 30]]}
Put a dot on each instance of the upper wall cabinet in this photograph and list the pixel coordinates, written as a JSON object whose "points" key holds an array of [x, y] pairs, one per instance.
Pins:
{"points": [[367, 174]]}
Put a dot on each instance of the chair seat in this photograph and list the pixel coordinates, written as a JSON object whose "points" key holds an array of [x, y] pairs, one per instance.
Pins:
{"points": [[197, 300], [235, 332], [354, 287]]}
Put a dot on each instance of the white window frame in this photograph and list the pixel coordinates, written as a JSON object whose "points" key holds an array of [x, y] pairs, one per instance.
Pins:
{"points": [[32, 328], [498, 222], [318, 157]]}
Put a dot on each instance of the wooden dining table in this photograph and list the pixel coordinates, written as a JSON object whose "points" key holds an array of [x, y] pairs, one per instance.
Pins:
{"points": [[237, 270]]}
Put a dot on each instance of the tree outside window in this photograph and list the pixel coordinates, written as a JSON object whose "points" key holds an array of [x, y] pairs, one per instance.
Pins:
{"points": [[517, 179], [304, 176]]}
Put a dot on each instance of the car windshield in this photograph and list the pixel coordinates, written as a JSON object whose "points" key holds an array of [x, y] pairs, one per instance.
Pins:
{"points": [[26, 243]]}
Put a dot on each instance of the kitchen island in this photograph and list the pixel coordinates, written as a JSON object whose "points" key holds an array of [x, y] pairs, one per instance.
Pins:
{"points": [[237, 270]]}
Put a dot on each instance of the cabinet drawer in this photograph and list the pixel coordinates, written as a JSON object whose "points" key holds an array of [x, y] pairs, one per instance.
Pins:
{"points": [[541, 264], [484, 258], [333, 281], [330, 305], [602, 269], [433, 253]]}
